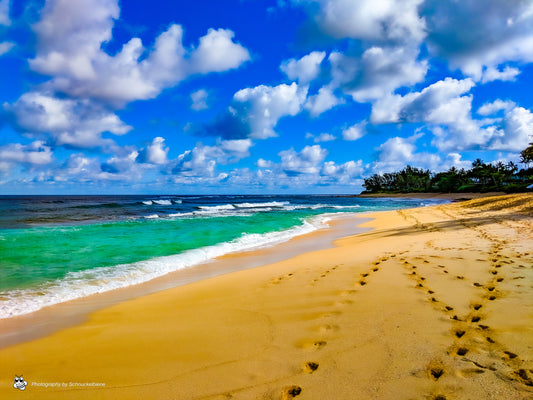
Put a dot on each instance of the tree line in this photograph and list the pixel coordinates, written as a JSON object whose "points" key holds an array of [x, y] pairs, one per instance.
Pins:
{"points": [[482, 177]]}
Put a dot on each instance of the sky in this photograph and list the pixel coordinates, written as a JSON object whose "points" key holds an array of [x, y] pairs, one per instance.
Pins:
{"points": [[257, 96]]}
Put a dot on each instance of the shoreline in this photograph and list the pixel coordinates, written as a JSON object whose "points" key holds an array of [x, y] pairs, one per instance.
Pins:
{"points": [[433, 302], [53, 318], [445, 196]]}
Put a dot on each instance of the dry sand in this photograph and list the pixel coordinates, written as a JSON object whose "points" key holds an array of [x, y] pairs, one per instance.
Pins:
{"points": [[433, 303]]}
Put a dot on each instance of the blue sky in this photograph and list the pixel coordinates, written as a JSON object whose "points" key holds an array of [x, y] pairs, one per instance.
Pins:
{"points": [[257, 96]]}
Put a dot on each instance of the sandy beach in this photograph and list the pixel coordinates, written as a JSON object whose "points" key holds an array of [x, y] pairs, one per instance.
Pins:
{"points": [[431, 303]]}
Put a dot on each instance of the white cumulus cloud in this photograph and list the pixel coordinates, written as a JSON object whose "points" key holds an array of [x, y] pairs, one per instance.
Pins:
{"points": [[70, 36], [217, 52], [493, 74], [478, 36], [5, 47], [355, 132], [367, 19], [35, 153], [307, 161], [377, 72], [155, 153], [495, 106], [440, 102], [515, 132], [446, 107], [322, 101], [305, 69], [397, 152], [261, 107], [4, 13], [324, 137], [199, 100], [76, 123]]}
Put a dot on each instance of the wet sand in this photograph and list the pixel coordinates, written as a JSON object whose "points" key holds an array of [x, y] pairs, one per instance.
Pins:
{"points": [[432, 303]]}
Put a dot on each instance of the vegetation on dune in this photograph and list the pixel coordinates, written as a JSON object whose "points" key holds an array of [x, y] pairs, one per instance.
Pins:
{"points": [[482, 177]]}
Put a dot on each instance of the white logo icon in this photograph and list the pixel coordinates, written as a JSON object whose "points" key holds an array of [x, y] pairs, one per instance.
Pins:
{"points": [[20, 383]]}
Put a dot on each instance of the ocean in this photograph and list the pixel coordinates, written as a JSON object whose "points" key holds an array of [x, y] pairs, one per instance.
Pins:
{"points": [[58, 248]]}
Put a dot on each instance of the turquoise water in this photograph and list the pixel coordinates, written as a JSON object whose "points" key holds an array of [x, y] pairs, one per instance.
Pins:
{"points": [[53, 249], [30, 256]]}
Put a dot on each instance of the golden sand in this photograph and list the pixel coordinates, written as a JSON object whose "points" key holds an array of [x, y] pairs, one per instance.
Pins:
{"points": [[433, 303]]}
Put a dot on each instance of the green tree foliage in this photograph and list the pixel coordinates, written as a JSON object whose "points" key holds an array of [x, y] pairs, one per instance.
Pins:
{"points": [[526, 155], [481, 177]]}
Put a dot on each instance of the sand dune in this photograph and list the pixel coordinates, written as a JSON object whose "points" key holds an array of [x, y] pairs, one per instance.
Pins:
{"points": [[433, 303]]}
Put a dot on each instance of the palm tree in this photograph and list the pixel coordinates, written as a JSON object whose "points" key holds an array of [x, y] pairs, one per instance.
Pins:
{"points": [[526, 155]]}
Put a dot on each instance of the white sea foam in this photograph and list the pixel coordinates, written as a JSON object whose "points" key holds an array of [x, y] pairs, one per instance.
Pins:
{"points": [[162, 202], [215, 209], [152, 216], [249, 209], [316, 207], [103, 279], [262, 205], [180, 215]]}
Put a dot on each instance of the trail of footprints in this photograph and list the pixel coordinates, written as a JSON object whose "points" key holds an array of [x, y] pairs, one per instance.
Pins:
{"points": [[315, 345], [468, 329]]}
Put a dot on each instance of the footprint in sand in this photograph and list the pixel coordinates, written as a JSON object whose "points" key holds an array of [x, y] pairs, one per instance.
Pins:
{"points": [[310, 367], [279, 279], [461, 351], [459, 333], [524, 377], [317, 345], [510, 355], [435, 370], [309, 344], [291, 392]]}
